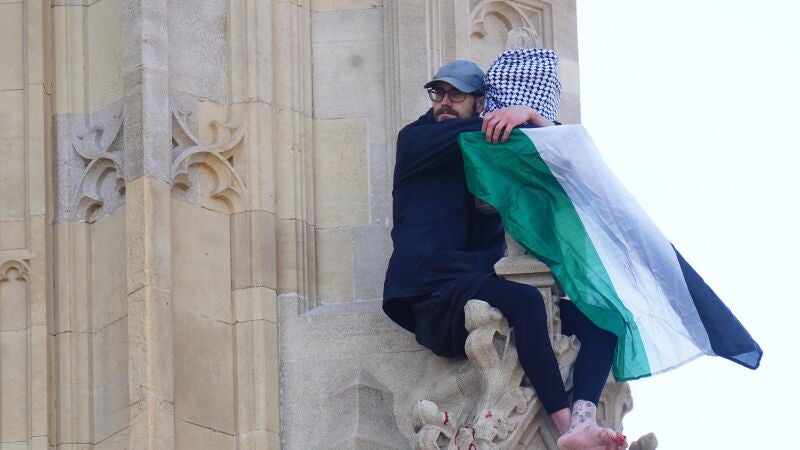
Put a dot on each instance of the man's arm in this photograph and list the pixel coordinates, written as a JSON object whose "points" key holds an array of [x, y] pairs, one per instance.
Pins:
{"points": [[498, 124], [425, 144]]}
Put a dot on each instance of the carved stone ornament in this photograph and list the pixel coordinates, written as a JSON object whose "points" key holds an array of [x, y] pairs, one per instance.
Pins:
{"points": [[101, 186], [505, 413], [505, 408], [500, 25], [14, 269], [204, 170]]}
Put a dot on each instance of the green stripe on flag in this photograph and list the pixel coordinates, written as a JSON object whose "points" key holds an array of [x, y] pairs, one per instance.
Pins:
{"points": [[538, 213]]}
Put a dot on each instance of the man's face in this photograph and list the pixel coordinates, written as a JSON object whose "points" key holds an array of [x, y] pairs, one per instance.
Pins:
{"points": [[447, 109]]}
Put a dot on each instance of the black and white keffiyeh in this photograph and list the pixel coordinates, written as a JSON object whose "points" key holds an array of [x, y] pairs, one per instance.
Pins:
{"points": [[524, 77]]}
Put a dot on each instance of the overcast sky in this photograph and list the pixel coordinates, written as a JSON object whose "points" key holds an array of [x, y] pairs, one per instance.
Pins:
{"points": [[694, 106]]}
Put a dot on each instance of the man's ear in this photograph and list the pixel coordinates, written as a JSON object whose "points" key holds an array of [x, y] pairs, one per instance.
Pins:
{"points": [[479, 104]]}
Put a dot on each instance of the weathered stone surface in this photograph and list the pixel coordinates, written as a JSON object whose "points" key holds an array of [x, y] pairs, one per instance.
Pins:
{"points": [[372, 247], [253, 249], [201, 262], [110, 380], [14, 385], [335, 264], [108, 282], [341, 188], [190, 436], [197, 50], [104, 47], [13, 235], [12, 51], [12, 152], [204, 358]]}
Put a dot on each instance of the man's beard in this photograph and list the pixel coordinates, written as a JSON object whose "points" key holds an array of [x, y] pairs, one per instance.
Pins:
{"points": [[450, 113], [445, 113]]}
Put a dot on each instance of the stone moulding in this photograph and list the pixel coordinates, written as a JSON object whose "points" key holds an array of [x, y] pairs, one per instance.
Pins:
{"points": [[101, 185], [505, 408], [190, 153]]}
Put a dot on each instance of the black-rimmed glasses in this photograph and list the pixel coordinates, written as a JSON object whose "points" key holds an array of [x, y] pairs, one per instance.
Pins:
{"points": [[455, 95]]}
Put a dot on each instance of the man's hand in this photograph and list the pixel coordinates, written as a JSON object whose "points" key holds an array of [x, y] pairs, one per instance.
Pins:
{"points": [[498, 124]]}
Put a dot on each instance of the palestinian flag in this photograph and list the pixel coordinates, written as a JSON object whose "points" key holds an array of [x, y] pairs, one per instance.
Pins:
{"points": [[559, 200]]}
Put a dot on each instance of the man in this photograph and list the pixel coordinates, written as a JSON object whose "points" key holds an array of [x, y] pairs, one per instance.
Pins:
{"points": [[445, 251]]}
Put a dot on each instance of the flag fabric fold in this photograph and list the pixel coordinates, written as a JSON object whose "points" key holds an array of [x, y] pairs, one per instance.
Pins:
{"points": [[560, 201]]}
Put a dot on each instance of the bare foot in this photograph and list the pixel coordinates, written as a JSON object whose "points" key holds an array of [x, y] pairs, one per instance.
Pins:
{"points": [[592, 437], [585, 434]]}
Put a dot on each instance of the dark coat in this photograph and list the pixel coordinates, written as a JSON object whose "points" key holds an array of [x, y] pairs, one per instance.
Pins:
{"points": [[443, 248]]}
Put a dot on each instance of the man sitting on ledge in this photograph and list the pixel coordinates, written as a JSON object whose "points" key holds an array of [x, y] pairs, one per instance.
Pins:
{"points": [[445, 251]]}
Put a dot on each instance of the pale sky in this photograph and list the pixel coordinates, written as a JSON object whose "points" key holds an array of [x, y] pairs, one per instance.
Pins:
{"points": [[694, 106]]}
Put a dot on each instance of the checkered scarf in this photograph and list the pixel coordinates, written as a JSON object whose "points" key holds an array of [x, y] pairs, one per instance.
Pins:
{"points": [[524, 77]]}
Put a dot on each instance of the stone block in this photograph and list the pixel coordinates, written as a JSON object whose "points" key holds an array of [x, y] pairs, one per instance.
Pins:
{"points": [[145, 36], [108, 283], [189, 436], [290, 171], [340, 330], [253, 249], [204, 364], [569, 110], [13, 170], [296, 258], [570, 77], [69, 59], [565, 29], [13, 301], [348, 45], [39, 374], [14, 445], [147, 229], [201, 262], [334, 264], [38, 144], [363, 416], [110, 380], [258, 386], [372, 247], [12, 75], [117, 441], [344, 5], [73, 389], [259, 440], [257, 303], [72, 277], [39, 308], [312, 388], [37, 57], [152, 425], [150, 355], [13, 235], [14, 406], [147, 124], [104, 40], [341, 178], [198, 62]]}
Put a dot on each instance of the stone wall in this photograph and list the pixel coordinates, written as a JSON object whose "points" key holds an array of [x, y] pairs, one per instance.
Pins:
{"points": [[194, 214]]}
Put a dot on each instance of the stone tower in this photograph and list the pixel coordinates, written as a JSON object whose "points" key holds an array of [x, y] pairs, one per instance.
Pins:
{"points": [[195, 210]]}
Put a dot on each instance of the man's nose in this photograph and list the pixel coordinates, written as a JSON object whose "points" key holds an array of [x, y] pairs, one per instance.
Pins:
{"points": [[446, 99]]}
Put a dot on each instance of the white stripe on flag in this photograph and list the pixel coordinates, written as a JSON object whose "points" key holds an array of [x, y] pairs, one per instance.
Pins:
{"points": [[638, 258]]}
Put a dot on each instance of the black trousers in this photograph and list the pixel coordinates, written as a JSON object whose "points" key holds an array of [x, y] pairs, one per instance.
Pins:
{"points": [[524, 308]]}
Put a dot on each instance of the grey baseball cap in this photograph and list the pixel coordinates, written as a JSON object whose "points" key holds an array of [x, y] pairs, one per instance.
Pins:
{"points": [[464, 75]]}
